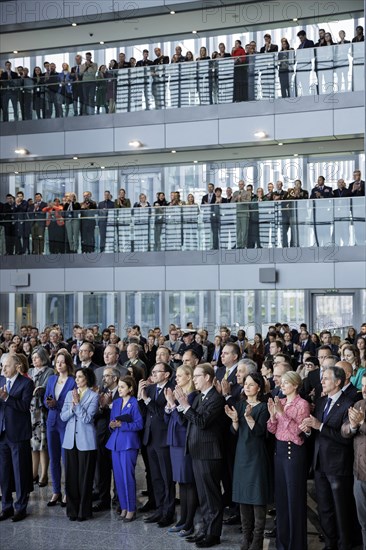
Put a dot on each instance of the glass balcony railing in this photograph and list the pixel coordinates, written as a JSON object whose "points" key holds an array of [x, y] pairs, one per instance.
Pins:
{"points": [[289, 74], [268, 224]]}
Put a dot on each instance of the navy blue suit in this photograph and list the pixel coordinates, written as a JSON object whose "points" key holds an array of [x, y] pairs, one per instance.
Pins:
{"points": [[155, 439], [56, 428], [15, 436], [124, 444]]}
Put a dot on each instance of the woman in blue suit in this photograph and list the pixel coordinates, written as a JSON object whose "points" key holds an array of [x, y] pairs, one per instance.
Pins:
{"points": [[58, 385], [126, 422], [80, 442], [181, 463]]}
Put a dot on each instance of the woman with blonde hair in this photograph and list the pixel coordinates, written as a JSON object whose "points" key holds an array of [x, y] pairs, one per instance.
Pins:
{"points": [[286, 415], [181, 463]]}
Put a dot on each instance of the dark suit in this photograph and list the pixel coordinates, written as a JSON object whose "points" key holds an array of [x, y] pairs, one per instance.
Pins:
{"points": [[306, 345], [312, 382], [10, 223], [357, 192], [102, 221], [272, 48], [155, 440], [333, 468], [103, 470], [9, 92], [37, 220], [206, 200], [306, 44], [15, 450], [206, 423], [352, 394]]}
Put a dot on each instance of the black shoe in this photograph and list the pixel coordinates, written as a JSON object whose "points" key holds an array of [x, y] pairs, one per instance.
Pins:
{"points": [[128, 520], [81, 519], [232, 520], [147, 507], [271, 512], [72, 518], [35, 480], [208, 541], [195, 538], [19, 516], [271, 534], [5, 514], [153, 518], [54, 502], [101, 507], [144, 493], [166, 521], [43, 483]]}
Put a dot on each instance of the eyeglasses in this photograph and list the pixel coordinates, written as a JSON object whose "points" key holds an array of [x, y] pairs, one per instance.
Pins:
{"points": [[157, 371]]}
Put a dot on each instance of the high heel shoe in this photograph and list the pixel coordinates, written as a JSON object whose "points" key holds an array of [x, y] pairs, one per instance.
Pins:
{"points": [[63, 503], [36, 480], [128, 520], [43, 483], [54, 502]]}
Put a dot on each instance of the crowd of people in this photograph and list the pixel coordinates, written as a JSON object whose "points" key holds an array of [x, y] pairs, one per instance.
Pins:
{"points": [[86, 89], [23, 222], [239, 425]]}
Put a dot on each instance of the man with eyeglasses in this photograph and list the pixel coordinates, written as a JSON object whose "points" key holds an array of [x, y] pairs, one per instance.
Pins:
{"points": [[152, 403], [206, 424], [103, 472], [111, 357]]}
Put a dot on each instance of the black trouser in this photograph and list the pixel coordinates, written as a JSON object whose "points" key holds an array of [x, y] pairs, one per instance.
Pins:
{"points": [[207, 474], [104, 473], [162, 479], [79, 467]]}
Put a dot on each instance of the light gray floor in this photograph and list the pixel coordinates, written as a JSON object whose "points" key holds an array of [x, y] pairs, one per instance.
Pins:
{"points": [[49, 529]]}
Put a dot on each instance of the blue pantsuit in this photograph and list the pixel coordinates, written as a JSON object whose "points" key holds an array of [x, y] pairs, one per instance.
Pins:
{"points": [[125, 444]]}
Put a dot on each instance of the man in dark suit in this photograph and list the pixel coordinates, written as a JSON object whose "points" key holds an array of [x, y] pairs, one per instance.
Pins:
{"points": [[111, 356], [304, 42], [206, 423], [77, 88], [133, 351], [313, 381], [9, 91], [341, 190], [10, 221], [86, 352], [321, 191], [357, 187], [210, 197], [305, 344], [16, 393], [333, 461], [103, 471], [103, 206], [349, 390], [152, 404], [38, 223]]}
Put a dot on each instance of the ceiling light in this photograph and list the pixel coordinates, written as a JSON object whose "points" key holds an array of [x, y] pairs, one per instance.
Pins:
{"points": [[295, 19], [16, 172], [280, 143], [15, 51], [260, 134], [135, 143], [174, 151], [21, 151], [172, 12], [194, 32], [195, 161], [101, 42], [74, 24], [296, 154], [102, 167], [75, 158]]}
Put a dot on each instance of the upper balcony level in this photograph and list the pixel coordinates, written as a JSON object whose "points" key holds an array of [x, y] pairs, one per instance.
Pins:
{"points": [[302, 95]]}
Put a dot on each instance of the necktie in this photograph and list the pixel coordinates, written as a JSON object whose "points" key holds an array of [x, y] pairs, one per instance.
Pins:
{"points": [[157, 393], [7, 391], [326, 409], [226, 374]]}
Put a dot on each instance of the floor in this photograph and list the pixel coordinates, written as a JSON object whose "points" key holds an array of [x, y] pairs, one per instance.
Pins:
{"points": [[48, 528]]}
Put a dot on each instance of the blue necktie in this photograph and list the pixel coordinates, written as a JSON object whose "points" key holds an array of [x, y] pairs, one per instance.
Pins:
{"points": [[326, 409], [158, 390]]}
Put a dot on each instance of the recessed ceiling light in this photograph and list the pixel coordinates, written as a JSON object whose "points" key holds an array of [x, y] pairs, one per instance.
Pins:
{"points": [[195, 161], [295, 19], [15, 51], [102, 167], [74, 24], [101, 42], [280, 143], [194, 32], [296, 154], [135, 143], [260, 134], [21, 151], [172, 12], [174, 151], [75, 158], [16, 172]]}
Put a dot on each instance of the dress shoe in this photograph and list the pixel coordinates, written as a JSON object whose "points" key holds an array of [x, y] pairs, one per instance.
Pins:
{"points": [[154, 518], [270, 534], [19, 516], [208, 541], [35, 480], [55, 501], [128, 520], [81, 519], [195, 538], [5, 514], [147, 507], [101, 507], [176, 529], [63, 503], [144, 493], [165, 521], [271, 512], [186, 532], [43, 483], [72, 518], [232, 520]]}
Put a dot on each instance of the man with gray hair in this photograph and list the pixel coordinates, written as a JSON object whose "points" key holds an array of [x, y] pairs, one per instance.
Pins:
{"points": [[111, 356]]}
